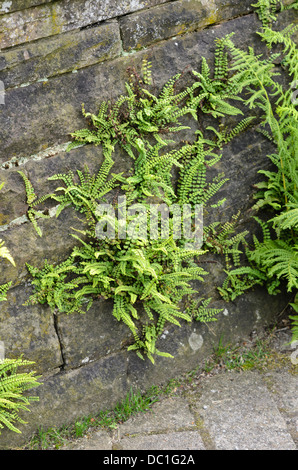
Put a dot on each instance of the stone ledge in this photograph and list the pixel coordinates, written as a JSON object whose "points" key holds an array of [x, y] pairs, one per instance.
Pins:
{"points": [[15, 5], [59, 54], [173, 19], [58, 17]]}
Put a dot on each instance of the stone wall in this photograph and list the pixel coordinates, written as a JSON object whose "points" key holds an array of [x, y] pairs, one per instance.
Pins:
{"points": [[54, 56]]}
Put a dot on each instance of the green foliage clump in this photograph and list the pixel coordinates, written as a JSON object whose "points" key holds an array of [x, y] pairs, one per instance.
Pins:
{"points": [[157, 274], [154, 273], [266, 10], [136, 114], [273, 260], [141, 273], [13, 388]]}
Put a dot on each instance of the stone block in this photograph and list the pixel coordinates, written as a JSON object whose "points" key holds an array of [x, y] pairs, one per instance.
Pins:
{"points": [[59, 54], [66, 396], [90, 336], [241, 414], [26, 246], [38, 168], [62, 107], [241, 161], [29, 330], [173, 19], [13, 5], [12, 197], [53, 18]]}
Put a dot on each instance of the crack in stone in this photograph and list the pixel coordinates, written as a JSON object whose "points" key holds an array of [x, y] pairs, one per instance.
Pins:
{"points": [[60, 341], [24, 219], [48, 153]]}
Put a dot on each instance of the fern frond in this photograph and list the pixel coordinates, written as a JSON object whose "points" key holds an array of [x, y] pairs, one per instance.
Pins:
{"points": [[286, 220], [12, 387], [4, 288], [279, 259], [31, 196], [5, 253], [266, 11]]}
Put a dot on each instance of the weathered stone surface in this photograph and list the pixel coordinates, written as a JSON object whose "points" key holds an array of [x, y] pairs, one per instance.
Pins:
{"points": [[58, 17], [241, 160], [59, 54], [283, 387], [47, 112], [42, 109], [175, 18], [9, 6], [29, 330], [63, 397], [171, 414], [100, 440], [12, 197], [191, 343], [26, 246], [39, 168], [179, 441], [242, 415], [87, 337]]}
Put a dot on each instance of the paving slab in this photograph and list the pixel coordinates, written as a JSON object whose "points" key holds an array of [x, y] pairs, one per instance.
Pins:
{"points": [[240, 413], [99, 440], [171, 414], [184, 440], [284, 389]]}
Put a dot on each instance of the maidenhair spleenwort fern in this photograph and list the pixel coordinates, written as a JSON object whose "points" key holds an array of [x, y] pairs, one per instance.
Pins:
{"points": [[266, 10], [32, 201], [155, 275], [133, 272], [136, 114], [274, 259], [13, 392]]}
